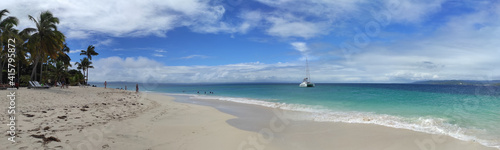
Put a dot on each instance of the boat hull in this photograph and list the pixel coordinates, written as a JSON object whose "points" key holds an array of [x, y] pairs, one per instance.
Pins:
{"points": [[308, 84]]}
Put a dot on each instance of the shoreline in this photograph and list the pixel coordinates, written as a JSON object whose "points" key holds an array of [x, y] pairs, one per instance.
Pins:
{"points": [[163, 121], [422, 140]]}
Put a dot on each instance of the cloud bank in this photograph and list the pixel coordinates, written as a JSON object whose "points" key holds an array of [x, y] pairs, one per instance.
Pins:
{"points": [[287, 18], [86, 18], [141, 69]]}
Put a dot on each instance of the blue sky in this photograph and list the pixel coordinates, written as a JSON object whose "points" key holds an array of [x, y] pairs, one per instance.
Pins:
{"points": [[268, 40]]}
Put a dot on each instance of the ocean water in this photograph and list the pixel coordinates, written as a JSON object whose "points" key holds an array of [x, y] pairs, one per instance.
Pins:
{"points": [[470, 113]]}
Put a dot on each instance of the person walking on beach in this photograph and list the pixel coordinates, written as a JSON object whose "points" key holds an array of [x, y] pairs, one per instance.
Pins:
{"points": [[105, 83], [136, 88]]}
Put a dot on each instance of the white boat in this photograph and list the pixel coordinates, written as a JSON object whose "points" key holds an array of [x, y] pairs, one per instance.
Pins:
{"points": [[306, 82]]}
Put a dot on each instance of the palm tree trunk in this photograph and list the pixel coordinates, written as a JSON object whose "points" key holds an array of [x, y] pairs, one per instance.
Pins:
{"points": [[46, 66], [87, 81], [41, 67], [1, 68], [33, 72]]}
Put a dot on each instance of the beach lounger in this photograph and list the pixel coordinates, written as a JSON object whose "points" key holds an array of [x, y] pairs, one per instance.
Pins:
{"points": [[36, 85], [31, 85]]}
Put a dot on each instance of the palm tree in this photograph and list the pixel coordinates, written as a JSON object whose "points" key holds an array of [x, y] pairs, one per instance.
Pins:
{"points": [[89, 53], [7, 31], [57, 70], [64, 57], [47, 41], [84, 64], [22, 49], [6, 28], [88, 65], [79, 66]]}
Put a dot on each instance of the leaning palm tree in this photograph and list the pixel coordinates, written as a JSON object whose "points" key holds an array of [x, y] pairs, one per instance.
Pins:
{"points": [[47, 41], [89, 53]]}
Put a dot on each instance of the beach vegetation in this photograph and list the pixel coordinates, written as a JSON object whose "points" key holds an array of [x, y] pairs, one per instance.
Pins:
{"points": [[7, 30], [46, 42], [42, 53]]}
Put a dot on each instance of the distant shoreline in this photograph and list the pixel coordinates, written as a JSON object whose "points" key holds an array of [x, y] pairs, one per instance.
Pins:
{"points": [[430, 82]]}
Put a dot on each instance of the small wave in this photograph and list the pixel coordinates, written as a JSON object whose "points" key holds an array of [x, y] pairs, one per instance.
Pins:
{"points": [[430, 125]]}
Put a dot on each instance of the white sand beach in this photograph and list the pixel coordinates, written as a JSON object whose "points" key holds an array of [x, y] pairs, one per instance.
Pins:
{"points": [[98, 118]]}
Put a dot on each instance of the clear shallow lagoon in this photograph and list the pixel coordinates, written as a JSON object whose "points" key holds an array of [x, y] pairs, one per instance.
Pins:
{"points": [[463, 112]]}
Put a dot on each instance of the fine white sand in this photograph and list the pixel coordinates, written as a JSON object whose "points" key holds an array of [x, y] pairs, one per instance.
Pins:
{"points": [[98, 118]]}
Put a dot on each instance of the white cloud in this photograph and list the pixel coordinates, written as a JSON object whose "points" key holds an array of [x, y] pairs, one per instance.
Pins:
{"points": [[288, 18], [106, 42], [158, 55], [300, 46], [412, 11], [82, 19], [194, 56], [313, 18], [251, 19], [305, 51], [75, 51], [77, 34], [290, 26], [160, 51]]}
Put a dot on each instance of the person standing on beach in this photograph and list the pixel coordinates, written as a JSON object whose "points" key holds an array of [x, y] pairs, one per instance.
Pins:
{"points": [[105, 83], [67, 82], [17, 83], [136, 88]]}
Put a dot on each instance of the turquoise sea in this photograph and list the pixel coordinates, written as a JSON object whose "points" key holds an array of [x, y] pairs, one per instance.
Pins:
{"points": [[470, 113]]}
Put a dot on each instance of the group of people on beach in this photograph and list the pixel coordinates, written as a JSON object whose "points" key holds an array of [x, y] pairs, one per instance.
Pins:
{"points": [[206, 92], [63, 83], [136, 86]]}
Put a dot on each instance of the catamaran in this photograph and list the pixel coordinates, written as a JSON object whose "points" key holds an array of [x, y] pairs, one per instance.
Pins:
{"points": [[306, 82]]}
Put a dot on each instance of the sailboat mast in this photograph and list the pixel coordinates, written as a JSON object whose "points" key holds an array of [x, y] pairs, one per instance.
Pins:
{"points": [[307, 71]]}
